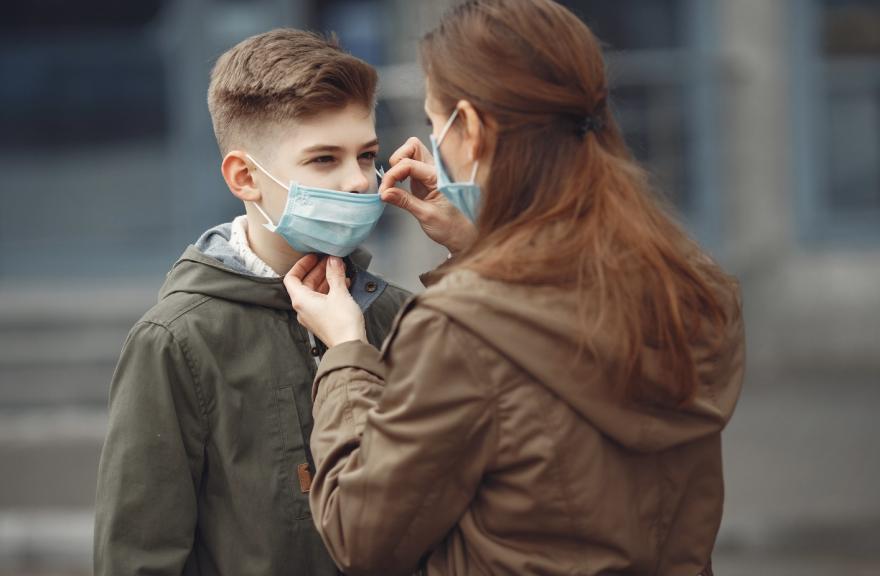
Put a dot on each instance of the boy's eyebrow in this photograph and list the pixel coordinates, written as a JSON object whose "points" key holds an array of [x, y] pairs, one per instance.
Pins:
{"points": [[332, 148], [322, 148]]}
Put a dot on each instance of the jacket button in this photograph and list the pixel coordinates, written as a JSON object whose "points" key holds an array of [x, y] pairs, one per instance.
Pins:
{"points": [[371, 286], [314, 351]]}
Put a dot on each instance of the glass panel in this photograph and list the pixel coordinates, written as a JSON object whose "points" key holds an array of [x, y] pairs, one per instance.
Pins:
{"points": [[850, 52], [633, 24], [649, 69], [83, 75]]}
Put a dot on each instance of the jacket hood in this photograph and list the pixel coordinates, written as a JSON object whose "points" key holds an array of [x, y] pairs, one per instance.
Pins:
{"points": [[210, 267], [535, 329]]}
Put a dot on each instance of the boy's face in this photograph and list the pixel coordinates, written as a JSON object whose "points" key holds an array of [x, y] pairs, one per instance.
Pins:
{"points": [[335, 149]]}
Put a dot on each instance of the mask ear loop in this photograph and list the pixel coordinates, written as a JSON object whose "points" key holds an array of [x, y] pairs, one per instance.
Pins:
{"points": [[443, 132], [446, 127], [269, 225], [380, 173], [476, 162], [474, 172]]}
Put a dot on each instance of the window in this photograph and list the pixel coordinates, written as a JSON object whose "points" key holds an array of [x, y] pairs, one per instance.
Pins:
{"points": [[662, 92], [837, 120], [83, 74]]}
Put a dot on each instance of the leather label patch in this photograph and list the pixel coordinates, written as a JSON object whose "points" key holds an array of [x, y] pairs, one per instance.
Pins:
{"points": [[305, 478]]}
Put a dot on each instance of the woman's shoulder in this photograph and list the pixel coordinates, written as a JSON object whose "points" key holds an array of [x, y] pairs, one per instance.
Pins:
{"points": [[465, 283], [458, 297], [458, 279]]}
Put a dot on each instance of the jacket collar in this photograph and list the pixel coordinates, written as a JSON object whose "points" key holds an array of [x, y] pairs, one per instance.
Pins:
{"points": [[195, 272]]}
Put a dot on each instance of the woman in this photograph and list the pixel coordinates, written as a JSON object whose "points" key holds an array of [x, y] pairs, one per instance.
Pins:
{"points": [[553, 403]]}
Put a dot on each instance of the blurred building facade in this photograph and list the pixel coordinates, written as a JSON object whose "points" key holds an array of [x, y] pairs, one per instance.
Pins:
{"points": [[759, 119]]}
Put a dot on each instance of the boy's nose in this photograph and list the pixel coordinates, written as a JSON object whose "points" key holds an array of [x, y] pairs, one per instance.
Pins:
{"points": [[357, 181]]}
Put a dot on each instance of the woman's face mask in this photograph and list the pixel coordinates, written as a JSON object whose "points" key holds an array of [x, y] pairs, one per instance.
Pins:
{"points": [[463, 195], [321, 220]]}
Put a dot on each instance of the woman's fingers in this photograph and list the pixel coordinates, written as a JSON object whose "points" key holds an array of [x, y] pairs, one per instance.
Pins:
{"points": [[310, 273], [303, 266], [336, 275], [316, 275], [295, 287], [333, 317], [414, 149], [408, 149], [406, 201], [422, 173], [304, 281]]}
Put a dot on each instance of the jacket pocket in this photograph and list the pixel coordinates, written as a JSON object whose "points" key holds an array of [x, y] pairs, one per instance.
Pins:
{"points": [[294, 465]]}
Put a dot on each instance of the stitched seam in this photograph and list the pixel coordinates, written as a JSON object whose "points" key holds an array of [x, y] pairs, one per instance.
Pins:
{"points": [[450, 465], [565, 495], [477, 369], [190, 365], [192, 306]]}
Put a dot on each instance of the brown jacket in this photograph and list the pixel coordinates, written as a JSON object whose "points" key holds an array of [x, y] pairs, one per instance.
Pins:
{"points": [[479, 442]]}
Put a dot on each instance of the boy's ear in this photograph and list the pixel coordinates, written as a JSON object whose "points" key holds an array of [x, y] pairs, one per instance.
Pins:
{"points": [[239, 173]]}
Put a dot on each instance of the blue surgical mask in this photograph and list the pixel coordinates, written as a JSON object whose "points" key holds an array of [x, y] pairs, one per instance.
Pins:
{"points": [[324, 221], [464, 195]]}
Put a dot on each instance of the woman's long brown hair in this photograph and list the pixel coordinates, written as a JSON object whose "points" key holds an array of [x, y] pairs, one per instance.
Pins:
{"points": [[567, 206]]}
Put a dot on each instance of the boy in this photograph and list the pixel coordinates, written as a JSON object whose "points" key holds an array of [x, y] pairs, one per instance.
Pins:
{"points": [[206, 467]]}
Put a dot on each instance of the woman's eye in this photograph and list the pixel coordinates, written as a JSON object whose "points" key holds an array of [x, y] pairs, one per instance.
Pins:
{"points": [[368, 156], [323, 159]]}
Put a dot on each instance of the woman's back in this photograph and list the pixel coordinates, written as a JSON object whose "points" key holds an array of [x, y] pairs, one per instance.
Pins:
{"points": [[578, 480]]}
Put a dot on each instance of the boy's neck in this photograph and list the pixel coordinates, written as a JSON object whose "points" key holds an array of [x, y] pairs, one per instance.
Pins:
{"points": [[270, 247]]}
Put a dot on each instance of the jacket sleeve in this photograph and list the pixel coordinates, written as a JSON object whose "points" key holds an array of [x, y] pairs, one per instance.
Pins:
{"points": [[401, 442], [151, 462]]}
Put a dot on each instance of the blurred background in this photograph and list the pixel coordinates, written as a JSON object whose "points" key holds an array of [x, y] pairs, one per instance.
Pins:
{"points": [[760, 119]]}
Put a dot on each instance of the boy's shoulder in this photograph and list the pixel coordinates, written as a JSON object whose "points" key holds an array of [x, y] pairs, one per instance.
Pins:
{"points": [[208, 335], [206, 290], [168, 311], [199, 320]]}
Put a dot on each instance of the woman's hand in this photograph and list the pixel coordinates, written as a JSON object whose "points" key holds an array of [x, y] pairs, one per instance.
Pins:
{"points": [[333, 317], [442, 222]]}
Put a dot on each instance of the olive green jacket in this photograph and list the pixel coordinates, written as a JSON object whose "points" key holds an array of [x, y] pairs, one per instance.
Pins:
{"points": [[206, 465]]}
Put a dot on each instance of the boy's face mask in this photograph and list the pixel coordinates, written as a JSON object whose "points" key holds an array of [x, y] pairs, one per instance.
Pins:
{"points": [[464, 195], [324, 221]]}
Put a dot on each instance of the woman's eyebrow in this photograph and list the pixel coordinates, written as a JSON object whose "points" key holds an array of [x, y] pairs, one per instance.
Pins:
{"points": [[371, 143]]}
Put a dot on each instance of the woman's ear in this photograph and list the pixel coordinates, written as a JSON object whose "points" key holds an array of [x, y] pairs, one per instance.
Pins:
{"points": [[475, 135], [239, 172]]}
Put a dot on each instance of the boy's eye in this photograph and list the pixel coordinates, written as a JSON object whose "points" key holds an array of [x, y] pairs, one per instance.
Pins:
{"points": [[324, 159], [368, 156]]}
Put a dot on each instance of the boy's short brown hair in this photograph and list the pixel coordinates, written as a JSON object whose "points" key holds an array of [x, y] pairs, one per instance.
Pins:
{"points": [[281, 75]]}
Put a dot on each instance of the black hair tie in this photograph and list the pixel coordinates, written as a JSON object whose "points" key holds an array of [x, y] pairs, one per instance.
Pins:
{"points": [[592, 123]]}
